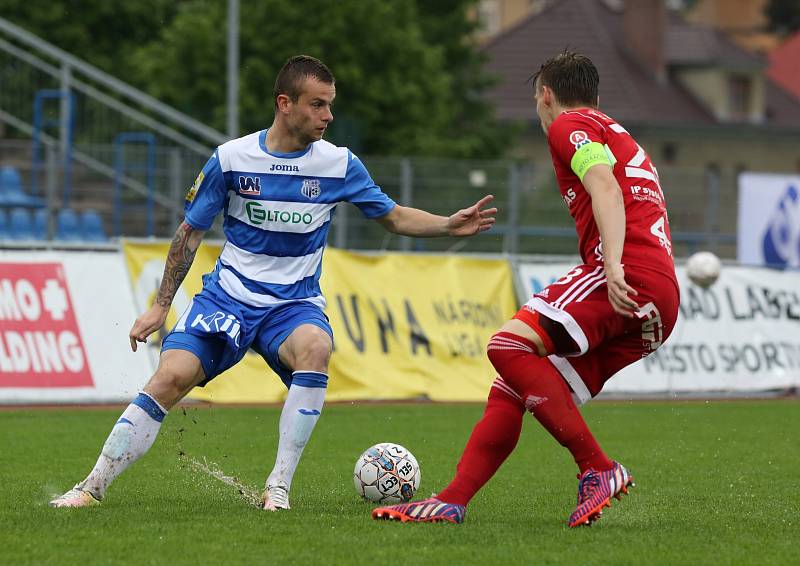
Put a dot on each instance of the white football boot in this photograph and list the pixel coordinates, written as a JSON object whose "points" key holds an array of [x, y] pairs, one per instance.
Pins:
{"points": [[75, 497], [276, 497]]}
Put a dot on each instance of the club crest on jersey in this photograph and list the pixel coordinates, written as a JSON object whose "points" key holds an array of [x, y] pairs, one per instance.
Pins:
{"points": [[578, 138], [249, 185], [311, 188]]}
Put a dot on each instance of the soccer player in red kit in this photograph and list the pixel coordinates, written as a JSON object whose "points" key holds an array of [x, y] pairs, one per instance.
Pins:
{"points": [[570, 338]]}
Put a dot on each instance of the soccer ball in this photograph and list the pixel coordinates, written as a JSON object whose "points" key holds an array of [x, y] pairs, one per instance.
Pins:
{"points": [[703, 268], [386, 473]]}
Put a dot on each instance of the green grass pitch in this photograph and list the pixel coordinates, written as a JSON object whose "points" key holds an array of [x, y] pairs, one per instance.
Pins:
{"points": [[717, 483]]}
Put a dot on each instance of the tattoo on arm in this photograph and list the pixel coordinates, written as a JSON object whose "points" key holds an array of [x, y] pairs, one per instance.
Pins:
{"points": [[179, 260]]}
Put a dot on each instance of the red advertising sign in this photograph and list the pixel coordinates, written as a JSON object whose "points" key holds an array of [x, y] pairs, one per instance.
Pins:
{"points": [[40, 343]]}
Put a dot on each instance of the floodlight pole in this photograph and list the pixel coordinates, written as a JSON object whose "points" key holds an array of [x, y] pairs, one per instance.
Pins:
{"points": [[233, 69]]}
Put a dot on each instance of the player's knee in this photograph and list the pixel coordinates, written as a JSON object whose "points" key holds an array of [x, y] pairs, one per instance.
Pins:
{"points": [[169, 384], [318, 356], [494, 354], [315, 354], [499, 350], [504, 347]]}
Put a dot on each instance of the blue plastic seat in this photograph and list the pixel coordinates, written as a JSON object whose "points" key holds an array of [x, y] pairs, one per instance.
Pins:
{"points": [[3, 225], [12, 192], [92, 226], [20, 224], [67, 226], [40, 220]]}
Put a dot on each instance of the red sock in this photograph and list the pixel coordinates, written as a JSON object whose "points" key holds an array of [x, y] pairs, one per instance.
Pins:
{"points": [[546, 395], [491, 441]]}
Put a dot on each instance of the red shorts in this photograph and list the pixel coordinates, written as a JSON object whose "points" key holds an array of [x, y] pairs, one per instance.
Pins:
{"points": [[593, 342]]}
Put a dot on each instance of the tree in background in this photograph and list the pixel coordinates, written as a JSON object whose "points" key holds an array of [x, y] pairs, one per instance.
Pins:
{"points": [[103, 33], [474, 131], [783, 16], [409, 81]]}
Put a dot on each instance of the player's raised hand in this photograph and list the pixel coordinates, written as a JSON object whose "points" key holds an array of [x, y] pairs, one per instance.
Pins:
{"points": [[470, 221], [618, 290], [150, 321]]}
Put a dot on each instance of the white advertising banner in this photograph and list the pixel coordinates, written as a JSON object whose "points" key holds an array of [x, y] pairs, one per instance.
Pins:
{"points": [[769, 220], [64, 322], [742, 334]]}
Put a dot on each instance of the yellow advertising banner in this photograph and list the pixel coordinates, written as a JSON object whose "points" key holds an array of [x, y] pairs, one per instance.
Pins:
{"points": [[413, 326], [405, 326]]}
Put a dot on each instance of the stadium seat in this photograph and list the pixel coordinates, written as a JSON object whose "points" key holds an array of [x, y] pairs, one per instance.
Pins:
{"points": [[20, 224], [3, 225], [12, 192], [40, 221], [92, 226], [67, 226]]}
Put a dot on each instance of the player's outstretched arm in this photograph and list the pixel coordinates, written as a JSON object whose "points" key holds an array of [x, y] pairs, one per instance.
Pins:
{"points": [[608, 208], [408, 221], [179, 259]]}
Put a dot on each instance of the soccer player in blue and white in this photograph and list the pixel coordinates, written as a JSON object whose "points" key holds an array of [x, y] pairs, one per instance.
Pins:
{"points": [[277, 189]]}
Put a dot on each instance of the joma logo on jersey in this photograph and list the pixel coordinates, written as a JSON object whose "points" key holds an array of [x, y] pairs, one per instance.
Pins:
{"points": [[250, 185], [258, 215], [279, 167], [311, 188]]}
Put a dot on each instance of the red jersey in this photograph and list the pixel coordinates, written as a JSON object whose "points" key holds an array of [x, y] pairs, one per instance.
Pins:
{"points": [[647, 237]]}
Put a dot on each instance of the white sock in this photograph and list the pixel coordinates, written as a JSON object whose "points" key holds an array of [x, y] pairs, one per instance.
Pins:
{"points": [[301, 411], [132, 436]]}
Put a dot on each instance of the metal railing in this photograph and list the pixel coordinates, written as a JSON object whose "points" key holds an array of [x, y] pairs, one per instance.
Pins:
{"points": [[74, 73], [532, 217], [91, 109]]}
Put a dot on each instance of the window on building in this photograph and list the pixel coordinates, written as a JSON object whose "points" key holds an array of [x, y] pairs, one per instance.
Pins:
{"points": [[740, 88], [489, 17], [669, 153], [538, 6]]}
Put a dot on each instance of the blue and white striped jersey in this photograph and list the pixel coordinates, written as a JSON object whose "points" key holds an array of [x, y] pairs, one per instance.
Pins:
{"points": [[278, 209]]}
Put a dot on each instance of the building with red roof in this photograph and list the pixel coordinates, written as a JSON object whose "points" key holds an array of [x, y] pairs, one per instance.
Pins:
{"points": [[784, 65], [690, 95]]}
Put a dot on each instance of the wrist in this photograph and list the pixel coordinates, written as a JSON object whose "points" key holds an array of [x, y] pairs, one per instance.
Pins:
{"points": [[448, 226], [162, 303]]}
